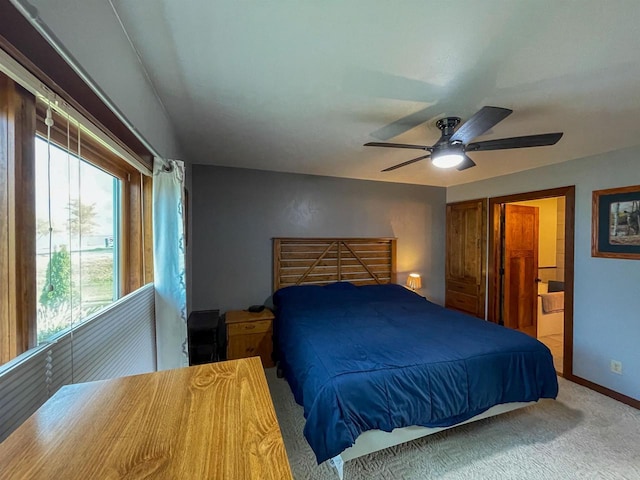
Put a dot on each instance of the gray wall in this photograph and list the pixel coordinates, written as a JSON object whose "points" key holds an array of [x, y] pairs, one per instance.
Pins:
{"points": [[607, 313], [236, 213]]}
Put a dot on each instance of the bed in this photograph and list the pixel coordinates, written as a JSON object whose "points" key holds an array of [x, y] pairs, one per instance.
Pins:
{"points": [[374, 364]]}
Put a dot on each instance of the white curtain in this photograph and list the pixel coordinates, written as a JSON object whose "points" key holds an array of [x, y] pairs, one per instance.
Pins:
{"points": [[169, 263]]}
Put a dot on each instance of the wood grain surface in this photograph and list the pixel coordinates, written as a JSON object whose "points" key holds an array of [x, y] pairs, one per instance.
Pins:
{"points": [[250, 334], [213, 421], [18, 296], [319, 261], [465, 271]]}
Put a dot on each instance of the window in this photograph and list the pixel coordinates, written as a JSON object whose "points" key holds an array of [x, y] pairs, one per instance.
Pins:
{"points": [[97, 204], [76, 260], [101, 237]]}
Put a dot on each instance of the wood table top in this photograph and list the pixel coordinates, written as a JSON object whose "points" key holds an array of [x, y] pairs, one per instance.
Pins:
{"points": [[213, 421]]}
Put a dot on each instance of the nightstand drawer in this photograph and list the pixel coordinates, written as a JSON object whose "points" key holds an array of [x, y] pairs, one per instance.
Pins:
{"points": [[246, 346], [246, 328]]}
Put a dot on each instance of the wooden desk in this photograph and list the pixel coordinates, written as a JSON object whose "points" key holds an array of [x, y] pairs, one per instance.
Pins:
{"points": [[213, 421]]}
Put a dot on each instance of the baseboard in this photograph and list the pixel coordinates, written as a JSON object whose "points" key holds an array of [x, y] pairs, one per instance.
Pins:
{"points": [[632, 402]]}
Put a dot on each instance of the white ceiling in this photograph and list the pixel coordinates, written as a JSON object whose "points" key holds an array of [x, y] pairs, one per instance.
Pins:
{"points": [[300, 86]]}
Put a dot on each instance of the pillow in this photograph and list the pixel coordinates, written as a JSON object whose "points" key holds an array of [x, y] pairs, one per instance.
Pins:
{"points": [[555, 286]]}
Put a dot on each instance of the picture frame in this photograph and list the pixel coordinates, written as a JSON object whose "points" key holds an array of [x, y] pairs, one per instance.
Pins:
{"points": [[615, 223]]}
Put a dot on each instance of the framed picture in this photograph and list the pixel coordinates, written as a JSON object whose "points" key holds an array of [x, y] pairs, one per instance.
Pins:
{"points": [[615, 223]]}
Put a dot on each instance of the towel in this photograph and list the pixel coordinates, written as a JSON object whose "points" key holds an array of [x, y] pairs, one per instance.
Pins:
{"points": [[552, 302]]}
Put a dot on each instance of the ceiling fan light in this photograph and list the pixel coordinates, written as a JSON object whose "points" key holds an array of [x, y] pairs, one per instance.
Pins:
{"points": [[448, 160]]}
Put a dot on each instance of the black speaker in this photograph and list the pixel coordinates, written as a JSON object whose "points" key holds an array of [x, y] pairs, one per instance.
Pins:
{"points": [[202, 335]]}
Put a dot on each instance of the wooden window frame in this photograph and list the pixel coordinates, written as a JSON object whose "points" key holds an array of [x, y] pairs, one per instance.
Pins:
{"points": [[17, 220], [21, 119]]}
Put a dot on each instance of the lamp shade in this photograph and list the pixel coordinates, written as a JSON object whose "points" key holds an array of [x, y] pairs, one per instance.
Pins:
{"points": [[414, 282]]}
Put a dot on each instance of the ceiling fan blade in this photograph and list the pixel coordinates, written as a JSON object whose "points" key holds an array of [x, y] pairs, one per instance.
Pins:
{"points": [[466, 163], [404, 164], [397, 145], [541, 140], [480, 122]]}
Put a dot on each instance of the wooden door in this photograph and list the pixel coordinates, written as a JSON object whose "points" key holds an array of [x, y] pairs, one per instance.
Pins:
{"points": [[520, 300], [465, 270]]}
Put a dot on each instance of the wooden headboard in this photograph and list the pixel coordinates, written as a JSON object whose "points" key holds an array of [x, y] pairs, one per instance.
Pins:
{"points": [[319, 261]]}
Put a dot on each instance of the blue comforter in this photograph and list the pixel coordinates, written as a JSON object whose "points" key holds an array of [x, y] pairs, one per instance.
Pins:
{"points": [[382, 357]]}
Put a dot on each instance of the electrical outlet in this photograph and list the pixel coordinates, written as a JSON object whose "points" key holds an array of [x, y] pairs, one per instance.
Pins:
{"points": [[616, 367]]}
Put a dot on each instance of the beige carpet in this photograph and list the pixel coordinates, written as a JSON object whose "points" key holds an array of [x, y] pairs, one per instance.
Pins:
{"points": [[583, 435], [555, 343]]}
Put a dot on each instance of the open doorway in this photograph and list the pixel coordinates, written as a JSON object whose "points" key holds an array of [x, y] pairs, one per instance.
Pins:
{"points": [[531, 268]]}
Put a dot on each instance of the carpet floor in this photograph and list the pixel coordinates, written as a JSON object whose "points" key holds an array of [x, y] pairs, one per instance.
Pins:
{"points": [[581, 435]]}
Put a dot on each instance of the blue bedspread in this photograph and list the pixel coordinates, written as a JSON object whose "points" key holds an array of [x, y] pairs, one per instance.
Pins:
{"points": [[382, 357]]}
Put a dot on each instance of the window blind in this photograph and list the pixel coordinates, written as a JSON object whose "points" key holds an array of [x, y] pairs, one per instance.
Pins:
{"points": [[117, 341]]}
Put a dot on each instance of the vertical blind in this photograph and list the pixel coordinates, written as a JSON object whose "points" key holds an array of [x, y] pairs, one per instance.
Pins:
{"points": [[117, 341]]}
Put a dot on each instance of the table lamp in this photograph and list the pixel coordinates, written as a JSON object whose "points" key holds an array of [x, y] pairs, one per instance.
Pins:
{"points": [[414, 282]]}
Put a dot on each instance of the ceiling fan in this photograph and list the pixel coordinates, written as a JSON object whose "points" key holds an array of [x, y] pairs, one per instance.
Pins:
{"points": [[450, 150]]}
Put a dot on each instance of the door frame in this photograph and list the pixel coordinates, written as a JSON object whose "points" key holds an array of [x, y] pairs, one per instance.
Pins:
{"points": [[569, 194]]}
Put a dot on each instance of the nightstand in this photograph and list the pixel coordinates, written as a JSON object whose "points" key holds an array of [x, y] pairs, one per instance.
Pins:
{"points": [[249, 335]]}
